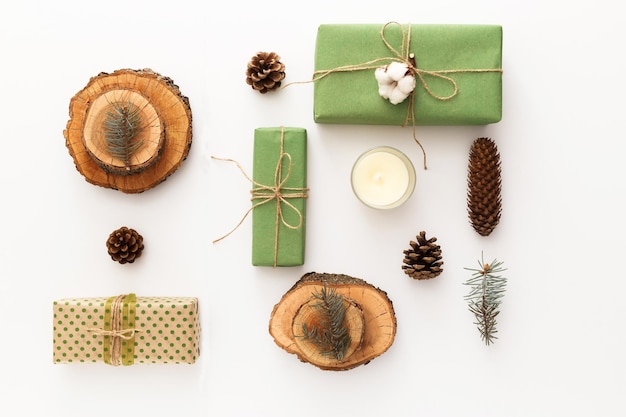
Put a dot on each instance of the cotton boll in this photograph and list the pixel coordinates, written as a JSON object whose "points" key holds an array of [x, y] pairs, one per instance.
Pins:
{"points": [[396, 70], [395, 82], [381, 76], [397, 96], [385, 90], [406, 84]]}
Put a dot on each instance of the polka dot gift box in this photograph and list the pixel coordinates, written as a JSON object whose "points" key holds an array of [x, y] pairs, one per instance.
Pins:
{"points": [[126, 330]]}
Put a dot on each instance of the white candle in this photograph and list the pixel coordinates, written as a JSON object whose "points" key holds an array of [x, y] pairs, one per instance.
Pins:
{"points": [[383, 178]]}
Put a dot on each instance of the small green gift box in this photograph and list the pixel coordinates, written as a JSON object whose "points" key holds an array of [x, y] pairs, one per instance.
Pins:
{"points": [[457, 71], [126, 330], [279, 196]]}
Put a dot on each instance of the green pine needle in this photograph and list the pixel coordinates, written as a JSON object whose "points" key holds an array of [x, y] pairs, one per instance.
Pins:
{"points": [[332, 337], [487, 290], [121, 126]]}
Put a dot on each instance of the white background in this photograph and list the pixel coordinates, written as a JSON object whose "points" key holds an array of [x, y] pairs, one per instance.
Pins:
{"points": [[562, 343]]}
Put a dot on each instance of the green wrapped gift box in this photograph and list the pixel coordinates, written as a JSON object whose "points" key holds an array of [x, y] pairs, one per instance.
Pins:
{"points": [[461, 68], [279, 196]]}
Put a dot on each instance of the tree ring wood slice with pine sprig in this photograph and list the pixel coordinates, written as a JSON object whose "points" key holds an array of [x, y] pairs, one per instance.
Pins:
{"points": [[308, 317], [123, 132], [129, 130], [369, 319]]}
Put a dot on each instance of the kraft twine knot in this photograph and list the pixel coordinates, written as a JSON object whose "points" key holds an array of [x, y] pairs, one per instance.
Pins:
{"points": [[117, 332], [273, 192]]}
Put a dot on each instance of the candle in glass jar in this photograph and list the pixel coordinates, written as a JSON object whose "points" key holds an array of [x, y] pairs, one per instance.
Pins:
{"points": [[383, 178]]}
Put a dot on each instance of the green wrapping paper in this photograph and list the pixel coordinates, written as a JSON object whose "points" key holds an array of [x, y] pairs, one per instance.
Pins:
{"points": [[279, 222], [470, 55]]}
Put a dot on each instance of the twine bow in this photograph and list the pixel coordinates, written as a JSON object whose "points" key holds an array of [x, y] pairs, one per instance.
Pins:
{"points": [[119, 331], [273, 192], [404, 56]]}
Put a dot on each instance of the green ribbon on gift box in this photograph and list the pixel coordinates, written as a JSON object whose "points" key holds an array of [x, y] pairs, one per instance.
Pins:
{"points": [[118, 346]]}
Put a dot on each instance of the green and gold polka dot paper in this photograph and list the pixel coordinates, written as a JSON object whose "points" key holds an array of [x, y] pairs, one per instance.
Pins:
{"points": [[126, 330]]}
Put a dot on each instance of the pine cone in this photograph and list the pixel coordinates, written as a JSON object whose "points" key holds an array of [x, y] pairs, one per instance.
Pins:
{"points": [[484, 203], [125, 245], [265, 72], [423, 259]]}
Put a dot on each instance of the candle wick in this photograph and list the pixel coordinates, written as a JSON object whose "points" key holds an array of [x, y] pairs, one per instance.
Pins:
{"points": [[378, 177]]}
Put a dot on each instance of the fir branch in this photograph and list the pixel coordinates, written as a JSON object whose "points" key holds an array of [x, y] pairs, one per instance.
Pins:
{"points": [[485, 296], [332, 337], [121, 126]]}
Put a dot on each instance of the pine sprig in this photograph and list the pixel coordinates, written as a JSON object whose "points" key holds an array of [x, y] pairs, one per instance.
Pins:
{"points": [[485, 296], [332, 336], [121, 126]]}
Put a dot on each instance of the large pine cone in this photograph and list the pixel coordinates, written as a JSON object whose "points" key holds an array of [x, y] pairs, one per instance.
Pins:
{"points": [[484, 203], [125, 245], [265, 72], [423, 259]]}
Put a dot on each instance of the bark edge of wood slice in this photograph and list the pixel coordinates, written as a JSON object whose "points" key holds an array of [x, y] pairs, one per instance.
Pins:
{"points": [[378, 317], [168, 138]]}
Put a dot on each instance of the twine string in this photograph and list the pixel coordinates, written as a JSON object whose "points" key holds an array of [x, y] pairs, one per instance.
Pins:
{"points": [[274, 192], [126, 334], [117, 332], [116, 326]]}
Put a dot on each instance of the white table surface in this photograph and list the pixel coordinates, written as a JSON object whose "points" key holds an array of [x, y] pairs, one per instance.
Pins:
{"points": [[561, 327]]}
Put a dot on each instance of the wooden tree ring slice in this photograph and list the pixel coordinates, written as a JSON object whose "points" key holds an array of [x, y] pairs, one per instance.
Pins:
{"points": [[151, 133], [308, 314], [378, 316], [175, 121]]}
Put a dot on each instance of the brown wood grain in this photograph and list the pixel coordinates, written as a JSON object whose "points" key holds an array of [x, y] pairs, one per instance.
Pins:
{"points": [[378, 317], [163, 154]]}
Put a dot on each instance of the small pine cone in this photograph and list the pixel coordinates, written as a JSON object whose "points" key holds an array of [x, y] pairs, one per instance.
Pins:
{"points": [[125, 245], [265, 72], [423, 259], [484, 203]]}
